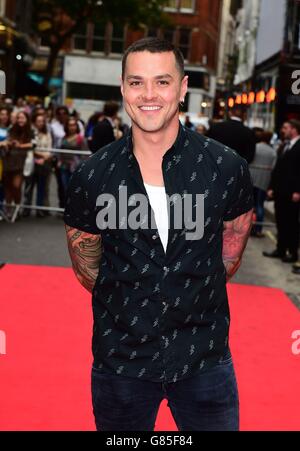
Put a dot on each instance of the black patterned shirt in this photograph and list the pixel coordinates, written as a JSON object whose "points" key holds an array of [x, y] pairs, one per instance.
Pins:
{"points": [[160, 316]]}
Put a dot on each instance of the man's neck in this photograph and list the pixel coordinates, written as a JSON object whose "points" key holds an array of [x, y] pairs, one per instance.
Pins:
{"points": [[156, 144]]}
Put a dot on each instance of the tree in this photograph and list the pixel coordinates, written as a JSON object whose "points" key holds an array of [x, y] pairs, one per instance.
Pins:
{"points": [[57, 20]]}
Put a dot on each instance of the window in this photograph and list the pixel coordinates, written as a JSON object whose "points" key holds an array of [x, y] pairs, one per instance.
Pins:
{"points": [[79, 38], [98, 38], [117, 42], [168, 34], [184, 42], [184, 6], [2, 8]]}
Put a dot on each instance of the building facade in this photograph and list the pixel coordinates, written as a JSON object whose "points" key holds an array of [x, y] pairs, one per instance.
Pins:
{"points": [[266, 55], [194, 29], [17, 48]]}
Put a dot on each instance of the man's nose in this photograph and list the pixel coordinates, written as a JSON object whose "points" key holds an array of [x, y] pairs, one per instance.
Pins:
{"points": [[149, 91]]}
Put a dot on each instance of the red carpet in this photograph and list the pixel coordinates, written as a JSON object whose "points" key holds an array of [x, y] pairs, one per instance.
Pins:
{"points": [[45, 373]]}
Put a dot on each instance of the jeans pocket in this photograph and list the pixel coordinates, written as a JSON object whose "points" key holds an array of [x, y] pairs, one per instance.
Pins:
{"points": [[226, 359]]}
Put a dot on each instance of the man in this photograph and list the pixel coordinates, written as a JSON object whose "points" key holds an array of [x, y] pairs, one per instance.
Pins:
{"points": [[233, 133], [285, 190], [103, 133], [160, 306]]}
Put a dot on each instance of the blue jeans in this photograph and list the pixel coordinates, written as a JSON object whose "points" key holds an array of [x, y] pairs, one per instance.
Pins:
{"points": [[205, 402]]}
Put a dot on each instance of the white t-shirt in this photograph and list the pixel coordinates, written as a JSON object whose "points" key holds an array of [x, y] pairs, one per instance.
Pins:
{"points": [[158, 202]]}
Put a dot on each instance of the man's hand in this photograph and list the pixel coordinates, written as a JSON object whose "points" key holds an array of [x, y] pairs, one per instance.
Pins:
{"points": [[296, 197], [85, 253], [270, 194], [235, 236]]}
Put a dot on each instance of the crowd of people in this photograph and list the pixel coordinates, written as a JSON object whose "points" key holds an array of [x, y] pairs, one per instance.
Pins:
{"points": [[31, 135], [274, 163], [35, 143]]}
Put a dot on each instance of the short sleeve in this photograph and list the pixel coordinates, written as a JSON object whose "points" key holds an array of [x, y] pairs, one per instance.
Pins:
{"points": [[80, 209], [241, 198]]}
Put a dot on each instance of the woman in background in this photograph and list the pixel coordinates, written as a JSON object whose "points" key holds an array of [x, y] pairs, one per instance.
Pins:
{"points": [[42, 165], [67, 163], [19, 142], [4, 126]]}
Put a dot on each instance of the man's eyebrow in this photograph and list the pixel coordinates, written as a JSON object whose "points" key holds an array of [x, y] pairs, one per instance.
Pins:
{"points": [[157, 77]]}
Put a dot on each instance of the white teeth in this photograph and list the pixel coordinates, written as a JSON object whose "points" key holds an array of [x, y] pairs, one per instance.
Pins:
{"points": [[150, 108]]}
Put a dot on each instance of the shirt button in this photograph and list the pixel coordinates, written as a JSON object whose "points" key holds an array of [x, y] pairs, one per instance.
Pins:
{"points": [[154, 237]]}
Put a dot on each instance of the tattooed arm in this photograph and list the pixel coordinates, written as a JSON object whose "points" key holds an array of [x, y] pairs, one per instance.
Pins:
{"points": [[235, 236], [85, 253]]}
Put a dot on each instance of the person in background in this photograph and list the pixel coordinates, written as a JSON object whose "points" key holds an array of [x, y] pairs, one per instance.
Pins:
{"points": [[4, 126], [91, 124], [80, 122], [57, 127], [20, 141], [234, 134], [260, 170], [201, 129], [67, 163], [188, 123], [284, 188], [42, 166], [103, 132]]}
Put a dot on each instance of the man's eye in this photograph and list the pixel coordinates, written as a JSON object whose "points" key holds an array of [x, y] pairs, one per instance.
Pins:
{"points": [[163, 82], [135, 83]]}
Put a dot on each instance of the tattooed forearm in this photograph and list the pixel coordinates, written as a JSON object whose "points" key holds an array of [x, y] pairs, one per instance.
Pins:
{"points": [[85, 253], [235, 236]]}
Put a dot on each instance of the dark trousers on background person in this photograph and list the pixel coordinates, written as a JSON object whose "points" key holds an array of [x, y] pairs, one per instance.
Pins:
{"points": [[259, 199], [38, 179], [287, 222], [207, 401]]}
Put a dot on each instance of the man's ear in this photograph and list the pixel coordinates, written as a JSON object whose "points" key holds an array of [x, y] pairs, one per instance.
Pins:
{"points": [[121, 85], [184, 86]]}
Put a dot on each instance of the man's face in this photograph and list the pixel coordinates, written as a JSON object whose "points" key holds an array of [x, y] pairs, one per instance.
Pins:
{"points": [[152, 89], [287, 131]]}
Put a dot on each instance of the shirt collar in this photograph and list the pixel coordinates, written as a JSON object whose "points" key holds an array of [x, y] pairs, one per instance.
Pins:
{"points": [[293, 141], [180, 142]]}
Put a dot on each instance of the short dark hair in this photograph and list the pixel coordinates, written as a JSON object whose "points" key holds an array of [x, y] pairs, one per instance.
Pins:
{"points": [[295, 124], [110, 108], [265, 136], [61, 108], [154, 45]]}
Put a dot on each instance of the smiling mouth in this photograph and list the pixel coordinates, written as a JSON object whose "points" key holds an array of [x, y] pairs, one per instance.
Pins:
{"points": [[150, 108]]}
